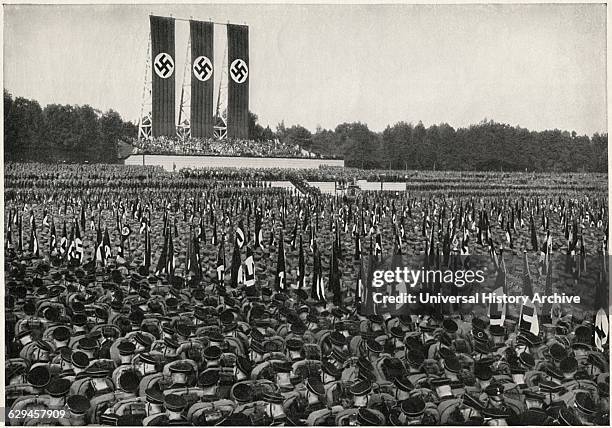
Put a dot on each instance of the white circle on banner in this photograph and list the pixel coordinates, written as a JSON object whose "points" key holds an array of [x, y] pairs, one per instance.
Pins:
{"points": [[202, 68], [239, 71], [163, 65]]}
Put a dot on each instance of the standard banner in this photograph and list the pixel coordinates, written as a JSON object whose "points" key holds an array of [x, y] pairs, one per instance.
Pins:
{"points": [[202, 69], [238, 81], [163, 70]]}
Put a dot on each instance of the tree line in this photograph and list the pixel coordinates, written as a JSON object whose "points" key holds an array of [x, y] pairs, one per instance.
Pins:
{"points": [[58, 133], [487, 146], [82, 133]]}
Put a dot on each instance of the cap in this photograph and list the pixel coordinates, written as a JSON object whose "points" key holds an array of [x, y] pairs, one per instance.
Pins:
{"points": [[314, 385], [59, 387], [497, 331], [568, 365], [585, 403], [568, 417], [452, 364], [88, 344], [374, 346], [208, 378], [78, 404], [80, 359], [557, 351], [129, 381], [294, 344], [527, 360], [174, 403], [273, 397], [331, 370], [450, 326], [154, 396], [243, 392], [403, 383], [413, 407], [39, 377], [367, 417], [147, 358], [126, 348], [244, 364], [360, 388], [181, 367], [494, 389], [337, 338], [61, 333], [143, 339], [212, 352]]}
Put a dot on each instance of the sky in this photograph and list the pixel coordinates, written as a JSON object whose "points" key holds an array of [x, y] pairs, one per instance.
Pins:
{"points": [[536, 66]]}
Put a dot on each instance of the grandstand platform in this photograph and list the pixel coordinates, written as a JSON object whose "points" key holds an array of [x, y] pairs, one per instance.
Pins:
{"points": [[176, 162]]}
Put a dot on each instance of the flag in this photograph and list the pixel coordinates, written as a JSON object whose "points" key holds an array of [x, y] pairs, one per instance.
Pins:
{"points": [[239, 235], [33, 246], [147, 255], [534, 236], [214, 237], [75, 251], [528, 320], [161, 262], [99, 247], [497, 311], [294, 238], [360, 290], [52, 240], [170, 262], [301, 266], [378, 247], [64, 242], [547, 308], [258, 231], [45, 221], [601, 331], [82, 216], [201, 235], [125, 232], [357, 247], [194, 269], [318, 287], [334, 277], [107, 245], [280, 266], [221, 264], [509, 235], [236, 262], [249, 279], [9, 231], [20, 241]]}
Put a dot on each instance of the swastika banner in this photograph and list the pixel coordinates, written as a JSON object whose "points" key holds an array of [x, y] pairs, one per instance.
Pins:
{"points": [[163, 70], [238, 81], [202, 70]]}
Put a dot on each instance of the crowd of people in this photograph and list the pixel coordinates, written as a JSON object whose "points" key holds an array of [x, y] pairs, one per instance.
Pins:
{"points": [[136, 296], [217, 147]]}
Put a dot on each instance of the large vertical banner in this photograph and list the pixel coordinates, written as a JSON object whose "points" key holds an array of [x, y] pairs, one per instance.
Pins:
{"points": [[238, 81], [202, 120], [163, 71]]}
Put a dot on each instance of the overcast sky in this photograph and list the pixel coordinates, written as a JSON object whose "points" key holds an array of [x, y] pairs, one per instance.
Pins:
{"points": [[537, 66]]}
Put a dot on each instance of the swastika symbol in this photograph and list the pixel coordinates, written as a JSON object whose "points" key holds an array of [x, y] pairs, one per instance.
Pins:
{"points": [[202, 68], [239, 71], [163, 65]]}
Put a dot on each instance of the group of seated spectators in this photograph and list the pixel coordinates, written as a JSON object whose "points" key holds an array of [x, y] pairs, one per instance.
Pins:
{"points": [[217, 147]]}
